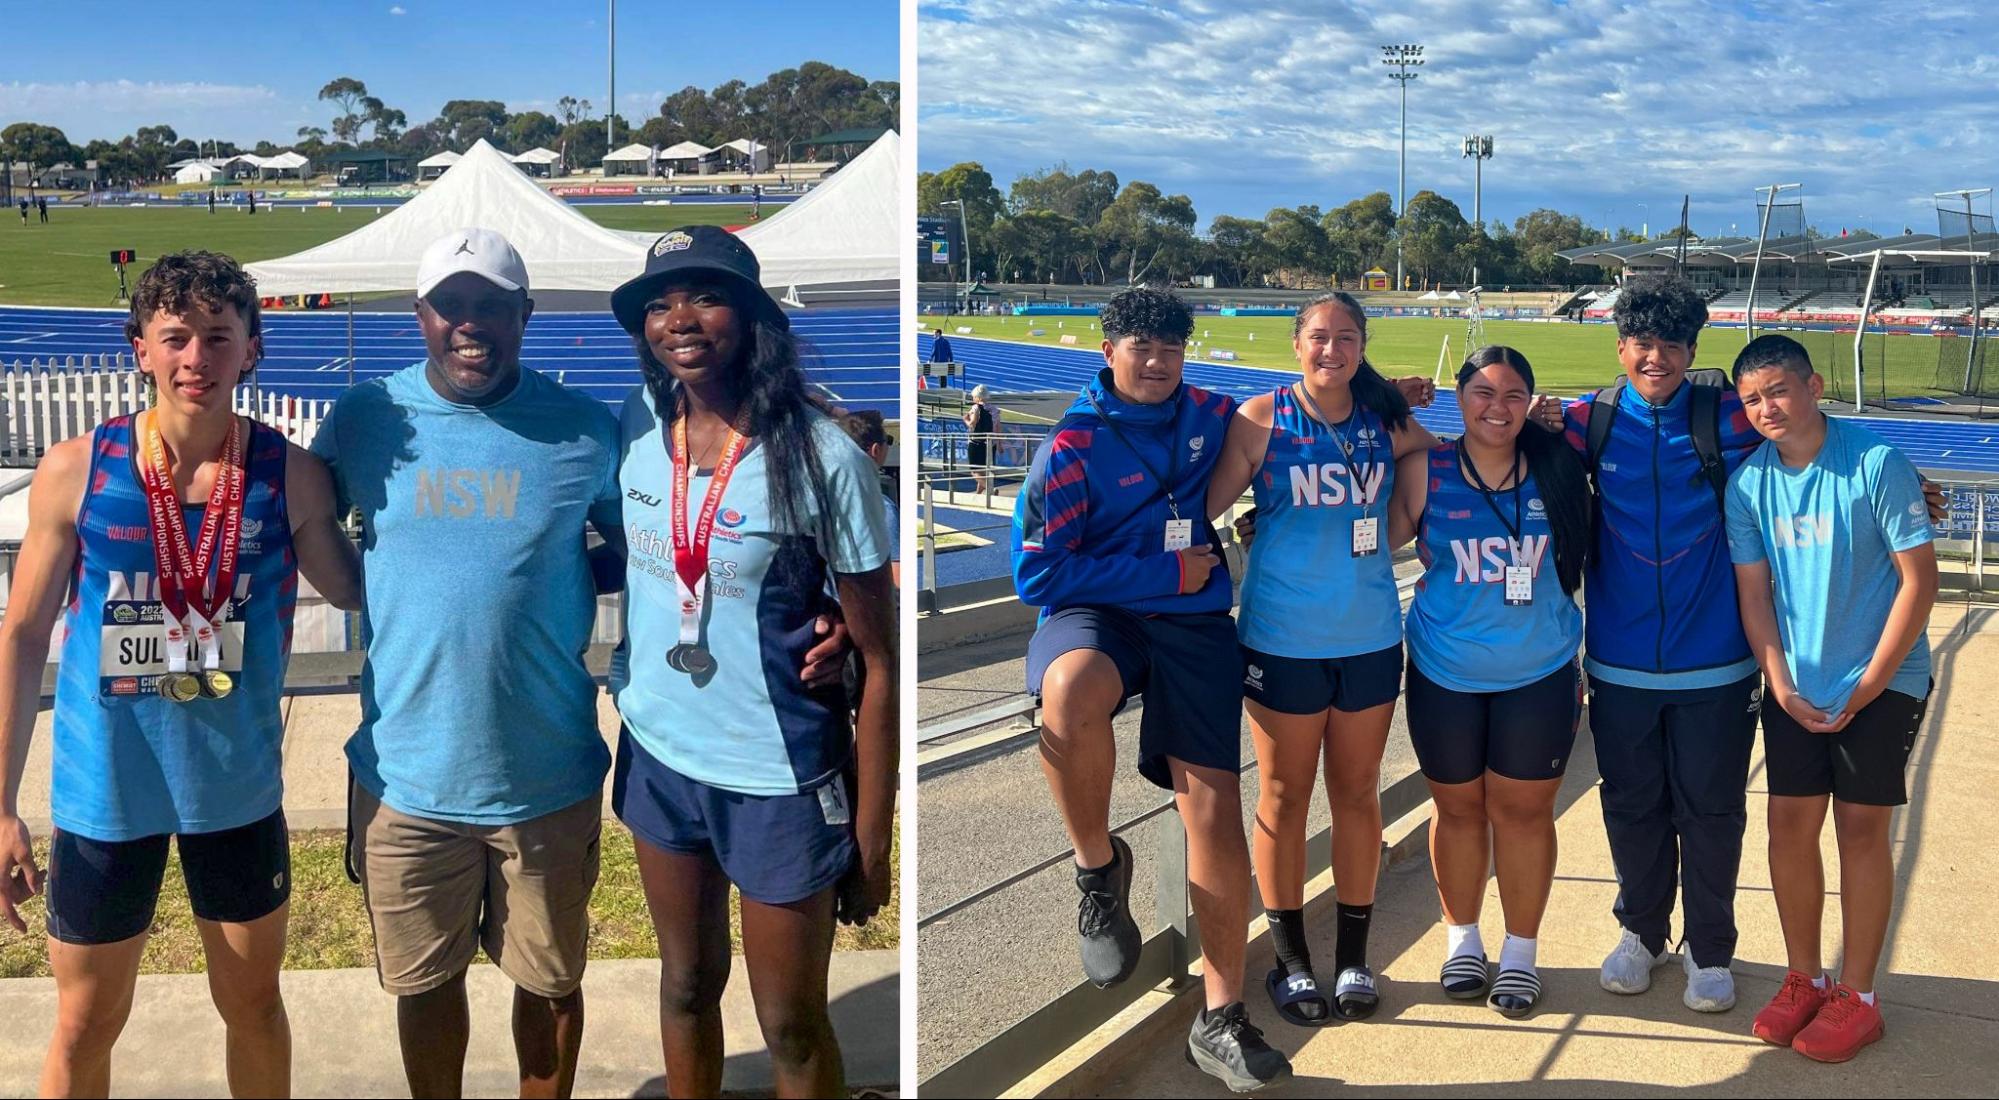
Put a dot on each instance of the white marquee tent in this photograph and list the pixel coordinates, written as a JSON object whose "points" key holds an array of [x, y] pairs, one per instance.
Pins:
{"points": [[842, 232], [199, 172]]}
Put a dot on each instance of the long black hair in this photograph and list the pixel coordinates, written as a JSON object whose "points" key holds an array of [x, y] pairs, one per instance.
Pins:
{"points": [[1369, 388], [770, 391], [1556, 471]]}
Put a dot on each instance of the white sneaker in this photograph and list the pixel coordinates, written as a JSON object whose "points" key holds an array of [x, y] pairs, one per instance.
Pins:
{"points": [[1628, 967], [1709, 988]]}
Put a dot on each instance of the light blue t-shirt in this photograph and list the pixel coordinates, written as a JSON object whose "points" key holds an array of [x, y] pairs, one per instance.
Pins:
{"points": [[476, 706], [1830, 531], [752, 727]]}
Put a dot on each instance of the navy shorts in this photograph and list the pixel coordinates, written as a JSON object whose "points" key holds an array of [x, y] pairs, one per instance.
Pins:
{"points": [[777, 849], [1864, 764], [1186, 666], [103, 891], [1308, 685], [1525, 733]]}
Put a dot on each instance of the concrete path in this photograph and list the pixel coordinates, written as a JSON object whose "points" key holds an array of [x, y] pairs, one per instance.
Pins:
{"points": [[344, 1033], [1937, 978]]}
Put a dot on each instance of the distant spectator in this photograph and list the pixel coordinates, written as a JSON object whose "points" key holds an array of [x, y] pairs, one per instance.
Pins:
{"points": [[981, 423], [940, 352], [870, 433], [42, 207], [24, 212], [211, 200]]}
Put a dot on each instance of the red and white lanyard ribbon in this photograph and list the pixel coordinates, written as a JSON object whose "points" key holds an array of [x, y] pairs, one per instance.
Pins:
{"points": [[690, 556], [194, 609]]}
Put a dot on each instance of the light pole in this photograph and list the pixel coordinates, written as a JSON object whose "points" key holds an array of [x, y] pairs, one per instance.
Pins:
{"points": [[1479, 148], [1403, 57], [1762, 232], [964, 239], [611, 114]]}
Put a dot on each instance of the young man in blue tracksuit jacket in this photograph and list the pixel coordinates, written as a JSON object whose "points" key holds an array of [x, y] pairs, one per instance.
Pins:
{"points": [[1110, 539], [1674, 690]]}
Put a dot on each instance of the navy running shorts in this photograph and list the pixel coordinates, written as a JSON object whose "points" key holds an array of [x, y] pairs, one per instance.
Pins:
{"points": [[777, 849], [1865, 764], [103, 892], [1525, 733], [1308, 685], [1188, 667]]}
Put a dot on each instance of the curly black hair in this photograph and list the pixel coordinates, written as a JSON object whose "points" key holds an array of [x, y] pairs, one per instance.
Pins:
{"points": [[1145, 312], [1773, 350], [1664, 308], [180, 280]]}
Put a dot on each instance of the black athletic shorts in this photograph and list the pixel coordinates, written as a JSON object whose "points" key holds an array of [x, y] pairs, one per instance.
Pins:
{"points": [[1864, 764], [1187, 666], [106, 891], [1305, 685], [1525, 733]]}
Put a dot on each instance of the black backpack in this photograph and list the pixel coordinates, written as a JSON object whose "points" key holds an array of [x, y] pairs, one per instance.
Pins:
{"points": [[1703, 421]]}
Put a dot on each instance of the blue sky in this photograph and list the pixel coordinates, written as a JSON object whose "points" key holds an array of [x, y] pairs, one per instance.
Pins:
{"points": [[1594, 106], [242, 71]]}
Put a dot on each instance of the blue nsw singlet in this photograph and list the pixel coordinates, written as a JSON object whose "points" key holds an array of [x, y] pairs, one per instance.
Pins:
{"points": [[1462, 632], [1305, 594], [129, 763]]}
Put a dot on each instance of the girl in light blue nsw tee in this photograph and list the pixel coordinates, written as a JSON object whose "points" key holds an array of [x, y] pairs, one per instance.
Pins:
{"points": [[742, 497], [1321, 632], [1502, 522]]}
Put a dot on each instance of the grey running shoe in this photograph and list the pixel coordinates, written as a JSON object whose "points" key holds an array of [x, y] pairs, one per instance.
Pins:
{"points": [[1709, 988], [1225, 1045], [1628, 967], [1107, 935]]}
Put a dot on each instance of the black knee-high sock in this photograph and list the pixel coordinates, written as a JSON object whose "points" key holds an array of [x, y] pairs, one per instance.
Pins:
{"points": [[1287, 935], [1350, 949]]}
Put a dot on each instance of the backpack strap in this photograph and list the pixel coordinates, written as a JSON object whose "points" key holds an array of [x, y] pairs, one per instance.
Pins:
{"points": [[1602, 413], [1704, 424]]}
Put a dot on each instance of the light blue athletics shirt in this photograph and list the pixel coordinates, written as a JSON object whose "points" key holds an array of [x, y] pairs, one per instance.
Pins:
{"points": [[476, 706], [1830, 532], [752, 727]]}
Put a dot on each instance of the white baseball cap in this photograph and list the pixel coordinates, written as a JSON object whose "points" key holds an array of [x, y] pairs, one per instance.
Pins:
{"points": [[480, 251]]}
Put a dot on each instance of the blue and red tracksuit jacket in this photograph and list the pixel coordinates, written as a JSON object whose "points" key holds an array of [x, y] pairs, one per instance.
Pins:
{"points": [[1660, 590], [1089, 526]]}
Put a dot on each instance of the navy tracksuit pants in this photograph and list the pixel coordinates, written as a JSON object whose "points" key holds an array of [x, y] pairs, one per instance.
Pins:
{"points": [[1675, 768]]}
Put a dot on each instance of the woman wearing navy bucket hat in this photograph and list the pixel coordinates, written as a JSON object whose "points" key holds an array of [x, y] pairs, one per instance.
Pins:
{"points": [[742, 496]]}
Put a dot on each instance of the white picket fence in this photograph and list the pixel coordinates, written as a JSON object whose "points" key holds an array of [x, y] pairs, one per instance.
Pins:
{"points": [[44, 403]]}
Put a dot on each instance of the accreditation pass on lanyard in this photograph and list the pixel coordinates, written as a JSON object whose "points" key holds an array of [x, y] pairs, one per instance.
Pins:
{"points": [[690, 555], [194, 608], [1519, 585]]}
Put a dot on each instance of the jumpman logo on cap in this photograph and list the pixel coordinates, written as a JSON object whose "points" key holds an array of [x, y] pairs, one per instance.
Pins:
{"points": [[464, 249]]}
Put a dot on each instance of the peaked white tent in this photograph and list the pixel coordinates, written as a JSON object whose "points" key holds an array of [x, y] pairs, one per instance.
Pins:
{"points": [[564, 250], [845, 230], [537, 155], [686, 150], [432, 167], [199, 172]]}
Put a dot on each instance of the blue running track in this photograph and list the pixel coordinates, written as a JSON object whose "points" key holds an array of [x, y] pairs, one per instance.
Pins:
{"points": [[1941, 445], [851, 353]]}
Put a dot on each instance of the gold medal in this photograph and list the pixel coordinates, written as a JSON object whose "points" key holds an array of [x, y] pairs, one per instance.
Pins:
{"points": [[217, 684], [178, 687]]}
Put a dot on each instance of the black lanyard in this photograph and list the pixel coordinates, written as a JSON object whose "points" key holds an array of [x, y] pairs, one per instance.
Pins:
{"points": [[1172, 468], [1470, 470], [1340, 437]]}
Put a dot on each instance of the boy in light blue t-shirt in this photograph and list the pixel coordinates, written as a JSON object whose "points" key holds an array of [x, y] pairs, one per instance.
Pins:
{"points": [[1836, 574]]}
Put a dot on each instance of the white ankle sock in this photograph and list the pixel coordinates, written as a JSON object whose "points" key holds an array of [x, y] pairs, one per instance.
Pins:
{"points": [[1865, 998], [1462, 939], [1821, 982], [1517, 953]]}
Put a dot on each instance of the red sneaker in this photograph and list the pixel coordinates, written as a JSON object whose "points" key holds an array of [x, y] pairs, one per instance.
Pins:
{"points": [[1841, 1028], [1790, 1010]]}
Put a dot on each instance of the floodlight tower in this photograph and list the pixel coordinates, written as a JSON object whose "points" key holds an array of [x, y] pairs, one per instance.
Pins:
{"points": [[1966, 195], [611, 115], [1479, 148], [1762, 232], [1404, 58]]}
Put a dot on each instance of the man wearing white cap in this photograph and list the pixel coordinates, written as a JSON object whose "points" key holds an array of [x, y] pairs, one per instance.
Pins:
{"points": [[478, 767]]}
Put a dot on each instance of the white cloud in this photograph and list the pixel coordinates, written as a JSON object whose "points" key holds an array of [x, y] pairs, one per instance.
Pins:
{"points": [[398, 10], [1595, 105]]}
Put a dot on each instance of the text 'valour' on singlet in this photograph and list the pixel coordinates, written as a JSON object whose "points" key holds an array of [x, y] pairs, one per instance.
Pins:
{"points": [[129, 763], [1462, 632], [1305, 594]]}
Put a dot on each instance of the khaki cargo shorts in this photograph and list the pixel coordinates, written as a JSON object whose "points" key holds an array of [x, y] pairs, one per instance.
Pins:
{"points": [[437, 891]]}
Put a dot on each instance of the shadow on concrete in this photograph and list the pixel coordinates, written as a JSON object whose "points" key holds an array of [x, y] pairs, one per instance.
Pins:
{"points": [[868, 1021]]}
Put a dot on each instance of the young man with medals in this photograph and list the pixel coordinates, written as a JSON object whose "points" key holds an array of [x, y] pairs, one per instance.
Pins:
{"points": [[172, 541], [1135, 599]]}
